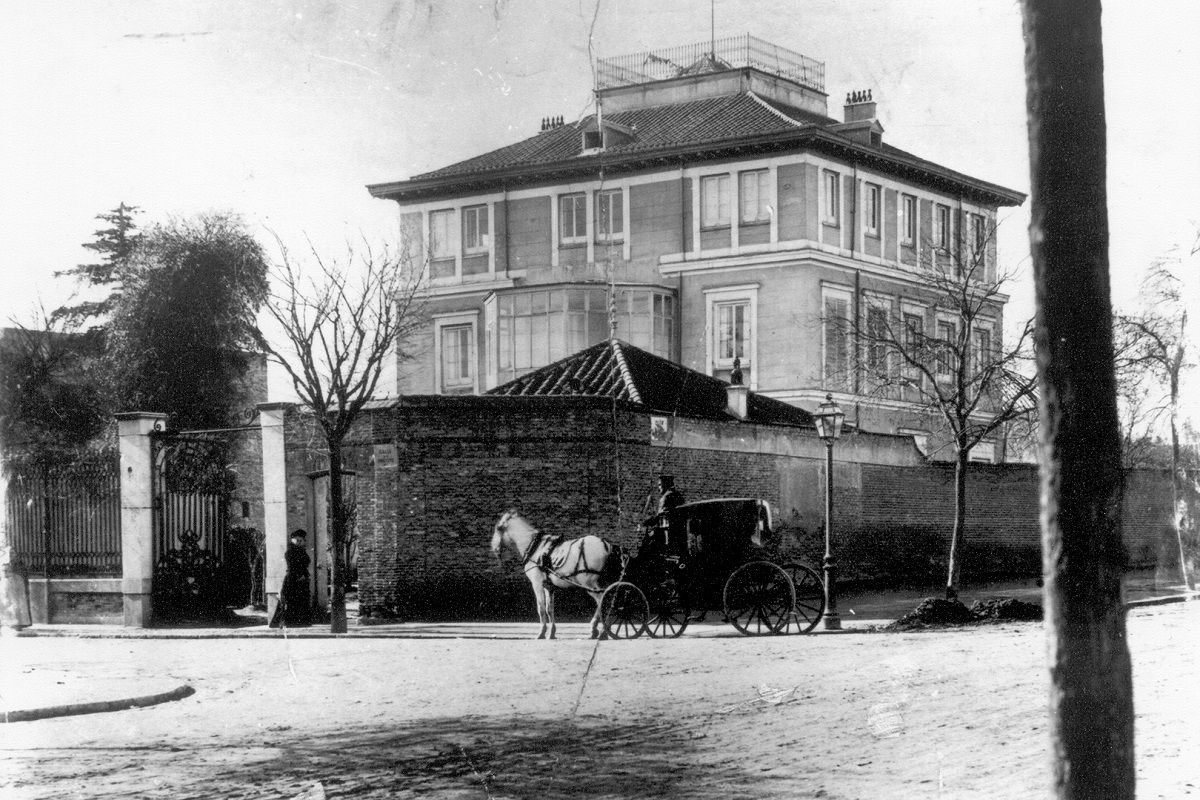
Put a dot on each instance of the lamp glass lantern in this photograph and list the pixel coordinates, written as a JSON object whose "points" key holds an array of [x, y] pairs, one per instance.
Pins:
{"points": [[828, 419]]}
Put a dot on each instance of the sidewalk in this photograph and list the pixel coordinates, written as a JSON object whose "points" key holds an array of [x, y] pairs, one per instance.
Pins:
{"points": [[46, 693]]}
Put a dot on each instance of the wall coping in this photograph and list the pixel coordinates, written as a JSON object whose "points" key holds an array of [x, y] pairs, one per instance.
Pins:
{"points": [[78, 585]]}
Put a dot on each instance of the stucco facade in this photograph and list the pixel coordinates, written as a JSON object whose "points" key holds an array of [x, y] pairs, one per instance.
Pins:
{"points": [[713, 213]]}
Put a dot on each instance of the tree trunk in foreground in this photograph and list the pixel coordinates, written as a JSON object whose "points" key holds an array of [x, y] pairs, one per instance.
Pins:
{"points": [[954, 574], [1091, 693], [337, 542], [1179, 510]]}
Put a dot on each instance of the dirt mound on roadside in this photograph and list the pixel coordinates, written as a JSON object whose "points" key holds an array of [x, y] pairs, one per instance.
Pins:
{"points": [[933, 612], [1005, 608]]}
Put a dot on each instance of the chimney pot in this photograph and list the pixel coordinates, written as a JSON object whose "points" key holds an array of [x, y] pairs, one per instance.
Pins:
{"points": [[860, 106]]}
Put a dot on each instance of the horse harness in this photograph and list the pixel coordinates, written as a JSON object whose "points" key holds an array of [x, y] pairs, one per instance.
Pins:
{"points": [[541, 554]]}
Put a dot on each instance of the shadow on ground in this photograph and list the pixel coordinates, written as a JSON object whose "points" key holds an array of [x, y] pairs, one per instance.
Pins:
{"points": [[508, 758], [514, 757]]}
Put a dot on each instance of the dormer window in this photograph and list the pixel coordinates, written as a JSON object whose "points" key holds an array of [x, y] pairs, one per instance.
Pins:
{"points": [[612, 134]]}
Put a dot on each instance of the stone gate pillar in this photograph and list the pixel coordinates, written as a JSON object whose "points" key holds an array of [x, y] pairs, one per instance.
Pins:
{"points": [[137, 514], [275, 512]]}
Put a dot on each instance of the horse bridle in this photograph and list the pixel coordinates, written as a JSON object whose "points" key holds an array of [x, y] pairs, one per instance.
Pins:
{"points": [[502, 526]]}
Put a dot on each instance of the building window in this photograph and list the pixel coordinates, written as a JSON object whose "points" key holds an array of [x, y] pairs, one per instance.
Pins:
{"points": [[731, 322], [646, 319], [835, 335], [714, 194], [457, 372], [475, 230], [732, 332], [537, 328], [981, 350], [914, 344], [663, 333], [908, 220], [877, 340], [832, 204], [978, 233], [946, 340], [755, 197], [871, 210], [572, 219], [942, 232], [610, 215], [984, 452], [441, 225], [441, 244]]}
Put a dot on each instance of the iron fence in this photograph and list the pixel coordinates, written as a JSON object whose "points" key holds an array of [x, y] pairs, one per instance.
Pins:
{"points": [[66, 519], [729, 52]]}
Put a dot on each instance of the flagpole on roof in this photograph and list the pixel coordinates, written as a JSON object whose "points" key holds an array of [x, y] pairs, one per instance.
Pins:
{"points": [[712, 17]]}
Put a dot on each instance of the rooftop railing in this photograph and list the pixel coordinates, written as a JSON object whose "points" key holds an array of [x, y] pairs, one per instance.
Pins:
{"points": [[730, 52]]}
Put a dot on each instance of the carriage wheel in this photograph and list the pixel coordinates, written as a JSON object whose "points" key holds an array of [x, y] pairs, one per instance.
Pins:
{"points": [[668, 612], [623, 612], [759, 598], [810, 598]]}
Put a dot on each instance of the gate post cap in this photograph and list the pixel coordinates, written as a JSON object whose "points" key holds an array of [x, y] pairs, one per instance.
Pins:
{"points": [[134, 423]]}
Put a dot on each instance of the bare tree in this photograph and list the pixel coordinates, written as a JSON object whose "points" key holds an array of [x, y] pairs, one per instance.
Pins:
{"points": [[956, 372], [1152, 351], [340, 321], [1091, 681]]}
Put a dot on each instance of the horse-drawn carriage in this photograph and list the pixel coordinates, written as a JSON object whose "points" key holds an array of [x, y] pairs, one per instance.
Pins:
{"points": [[709, 556], [712, 556]]}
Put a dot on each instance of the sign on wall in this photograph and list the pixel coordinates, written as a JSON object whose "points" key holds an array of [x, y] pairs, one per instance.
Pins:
{"points": [[660, 430], [385, 455]]}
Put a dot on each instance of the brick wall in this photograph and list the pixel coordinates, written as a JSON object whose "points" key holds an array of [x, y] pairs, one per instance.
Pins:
{"points": [[578, 466]]}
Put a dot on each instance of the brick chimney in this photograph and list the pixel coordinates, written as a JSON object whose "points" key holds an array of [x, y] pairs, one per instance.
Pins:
{"points": [[861, 124], [859, 106]]}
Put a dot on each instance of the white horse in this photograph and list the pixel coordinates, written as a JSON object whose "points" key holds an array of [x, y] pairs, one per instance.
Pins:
{"points": [[549, 561]]}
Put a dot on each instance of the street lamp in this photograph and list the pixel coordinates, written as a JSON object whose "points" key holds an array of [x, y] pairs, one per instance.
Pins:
{"points": [[829, 418]]}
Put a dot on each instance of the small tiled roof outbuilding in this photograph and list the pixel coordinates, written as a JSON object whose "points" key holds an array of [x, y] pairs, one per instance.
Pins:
{"points": [[617, 369]]}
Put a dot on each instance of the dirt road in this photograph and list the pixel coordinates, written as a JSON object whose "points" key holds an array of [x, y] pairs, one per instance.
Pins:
{"points": [[918, 715]]}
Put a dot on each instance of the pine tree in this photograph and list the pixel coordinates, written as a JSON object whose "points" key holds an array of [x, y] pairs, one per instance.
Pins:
{"points": [[114, 245]]}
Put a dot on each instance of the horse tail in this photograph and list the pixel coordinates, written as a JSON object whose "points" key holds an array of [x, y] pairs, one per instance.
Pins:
{"points": [[614, 564]]}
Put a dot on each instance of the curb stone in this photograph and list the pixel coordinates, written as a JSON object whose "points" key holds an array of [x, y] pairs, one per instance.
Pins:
{"points": [[74, 709]]}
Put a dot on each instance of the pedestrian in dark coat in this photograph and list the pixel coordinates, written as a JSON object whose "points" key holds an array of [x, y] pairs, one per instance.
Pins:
{"points": [[295, 606]]}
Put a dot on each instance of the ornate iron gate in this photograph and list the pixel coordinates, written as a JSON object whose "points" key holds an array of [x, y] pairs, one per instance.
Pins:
{"points": [[192, 486]]}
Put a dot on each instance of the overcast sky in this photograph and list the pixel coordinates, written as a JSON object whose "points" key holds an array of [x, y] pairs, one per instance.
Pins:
{"points": [[284, 111]]}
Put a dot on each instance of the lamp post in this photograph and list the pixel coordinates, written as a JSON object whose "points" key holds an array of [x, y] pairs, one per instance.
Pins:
{"points": [[829, 419]]}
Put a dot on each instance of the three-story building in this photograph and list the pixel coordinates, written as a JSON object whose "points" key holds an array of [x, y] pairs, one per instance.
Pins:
{"points": [[712, 211]]}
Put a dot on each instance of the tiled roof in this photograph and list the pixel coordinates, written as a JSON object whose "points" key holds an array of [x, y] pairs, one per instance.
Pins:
{"points": [[711, 127], [712, 119], [617, 369]]}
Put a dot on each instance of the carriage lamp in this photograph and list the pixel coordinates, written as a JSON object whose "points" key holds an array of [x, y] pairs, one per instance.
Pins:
{"points": [[828, 419]]}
